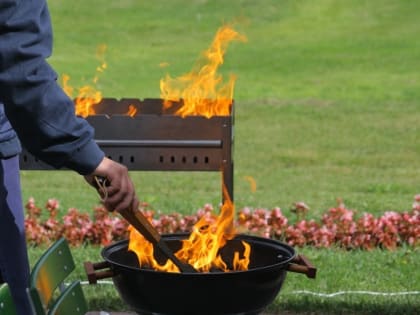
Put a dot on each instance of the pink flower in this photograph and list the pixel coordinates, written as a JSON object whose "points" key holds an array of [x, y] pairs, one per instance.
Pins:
{"points": [[339, 226]]}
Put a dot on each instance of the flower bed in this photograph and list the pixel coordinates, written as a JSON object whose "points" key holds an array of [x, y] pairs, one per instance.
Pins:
{"points": [[338, 226]]}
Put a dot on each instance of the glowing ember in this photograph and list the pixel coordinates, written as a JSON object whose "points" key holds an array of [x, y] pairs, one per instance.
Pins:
{"points": [[88, 96], [201, 249], [202, 90]]}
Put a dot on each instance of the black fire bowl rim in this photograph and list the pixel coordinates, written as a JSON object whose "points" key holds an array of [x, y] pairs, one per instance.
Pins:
{"points": [[109, 249]]}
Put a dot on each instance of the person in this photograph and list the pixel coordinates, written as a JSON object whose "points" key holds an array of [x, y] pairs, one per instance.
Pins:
{"points": [[36, 112]]}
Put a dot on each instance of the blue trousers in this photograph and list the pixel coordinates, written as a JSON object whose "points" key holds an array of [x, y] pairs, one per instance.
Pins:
{"points": [[14, 263]]}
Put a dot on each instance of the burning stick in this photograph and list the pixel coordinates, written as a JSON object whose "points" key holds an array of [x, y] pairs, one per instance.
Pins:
{"points": [[201, 249], [138, 221]]}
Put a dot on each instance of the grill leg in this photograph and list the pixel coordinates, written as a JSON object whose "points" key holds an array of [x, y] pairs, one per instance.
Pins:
{"points": [[227, 173]]}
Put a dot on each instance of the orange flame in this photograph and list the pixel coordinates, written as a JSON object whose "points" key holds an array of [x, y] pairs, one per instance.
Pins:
{"points": [[252, 183], [88, 96], [132, 110], [202, 90], [201, 249]]}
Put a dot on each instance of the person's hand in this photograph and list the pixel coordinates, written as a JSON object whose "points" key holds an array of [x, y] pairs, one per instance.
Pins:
{"points": [[120, 192]]}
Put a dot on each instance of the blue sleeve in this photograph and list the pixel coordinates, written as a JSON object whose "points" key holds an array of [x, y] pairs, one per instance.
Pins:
{"points": [[38, 109]]}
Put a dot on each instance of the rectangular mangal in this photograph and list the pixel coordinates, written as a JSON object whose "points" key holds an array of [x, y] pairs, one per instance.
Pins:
{"points": [[156, 139]]}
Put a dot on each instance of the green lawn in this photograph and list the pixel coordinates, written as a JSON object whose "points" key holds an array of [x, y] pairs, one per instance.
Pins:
{"points": [[326, 107]]}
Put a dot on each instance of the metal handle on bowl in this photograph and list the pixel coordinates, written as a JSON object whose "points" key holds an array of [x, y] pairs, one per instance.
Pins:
{"points": [[301, 264]]}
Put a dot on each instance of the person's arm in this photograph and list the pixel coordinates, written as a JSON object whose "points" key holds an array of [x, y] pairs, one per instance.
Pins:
{"points": [[38, 109]]}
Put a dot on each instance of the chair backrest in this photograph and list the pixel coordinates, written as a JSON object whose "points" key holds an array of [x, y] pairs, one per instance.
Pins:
{"points": [[71, 301], [48, 275], [7, 305]]}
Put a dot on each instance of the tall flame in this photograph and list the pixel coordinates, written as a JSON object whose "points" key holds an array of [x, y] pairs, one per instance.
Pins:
{"points": [[87, 96], [201, 249], [202, 90]]}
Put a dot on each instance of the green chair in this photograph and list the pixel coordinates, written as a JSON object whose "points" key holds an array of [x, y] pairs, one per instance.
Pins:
{"points": [[7, 305], [70, 302], [48, 292]]}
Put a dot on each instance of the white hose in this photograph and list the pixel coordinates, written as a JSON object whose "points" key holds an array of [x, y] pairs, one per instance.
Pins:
{"points": [[319, 294], [334, 294]]}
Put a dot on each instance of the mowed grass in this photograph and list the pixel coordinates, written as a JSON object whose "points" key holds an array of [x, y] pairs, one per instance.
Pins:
{"points": [[326, 107]]}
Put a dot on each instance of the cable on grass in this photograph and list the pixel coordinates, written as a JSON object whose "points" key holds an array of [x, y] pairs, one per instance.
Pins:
{"points": [[334, 294], [318, 294]]}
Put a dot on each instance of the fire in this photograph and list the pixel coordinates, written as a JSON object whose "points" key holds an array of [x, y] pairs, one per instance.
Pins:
{"points": [[132, 110], [202, 90], [252, 183], [203, 93], [88, 96], [201, 249]]}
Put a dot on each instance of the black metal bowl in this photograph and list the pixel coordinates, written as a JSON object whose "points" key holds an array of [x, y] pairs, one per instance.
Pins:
{"points": [[150, 292]]}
